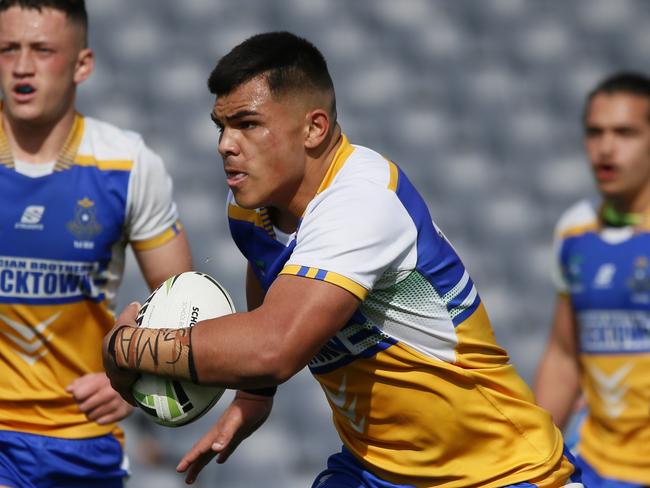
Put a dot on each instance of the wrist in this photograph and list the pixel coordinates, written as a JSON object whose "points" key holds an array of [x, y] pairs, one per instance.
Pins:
{"points": [[163, 352]]}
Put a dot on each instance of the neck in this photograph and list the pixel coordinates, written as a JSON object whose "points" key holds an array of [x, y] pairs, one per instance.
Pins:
{"points": [[636, 204], [37, 142], [286, 218]]}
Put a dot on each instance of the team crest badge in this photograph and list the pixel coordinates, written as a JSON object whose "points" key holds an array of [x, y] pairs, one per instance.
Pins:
{"points": [[85, 225], [639, 282], [573, 273]]}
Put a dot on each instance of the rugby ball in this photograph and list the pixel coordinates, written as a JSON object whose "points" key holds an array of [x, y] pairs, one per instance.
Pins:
{"points": [[181, 301]]}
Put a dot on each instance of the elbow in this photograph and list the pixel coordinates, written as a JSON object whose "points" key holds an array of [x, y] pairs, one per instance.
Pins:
{"points": [[276, 366]]}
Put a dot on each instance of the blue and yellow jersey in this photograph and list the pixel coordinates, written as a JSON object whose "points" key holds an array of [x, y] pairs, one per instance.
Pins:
{"points": [[606, 273], [62, 243], [420, 391]]}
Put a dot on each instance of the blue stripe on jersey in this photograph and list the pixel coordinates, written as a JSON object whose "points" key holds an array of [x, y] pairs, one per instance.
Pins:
{"points": [[437, 260], [360, 342], [266, 255]]}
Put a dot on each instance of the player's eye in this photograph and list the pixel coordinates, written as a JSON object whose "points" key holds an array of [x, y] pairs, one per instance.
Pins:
{"points": [[247, 124]]}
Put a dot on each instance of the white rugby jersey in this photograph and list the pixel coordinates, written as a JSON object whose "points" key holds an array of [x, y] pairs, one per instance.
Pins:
{"points": [[63, 237], [420, 391], [606, 274]]}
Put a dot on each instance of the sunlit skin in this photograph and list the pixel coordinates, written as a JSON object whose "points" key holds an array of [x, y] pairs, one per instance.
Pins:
{"points": [[42, 60], [272, 149], [617, 141]]}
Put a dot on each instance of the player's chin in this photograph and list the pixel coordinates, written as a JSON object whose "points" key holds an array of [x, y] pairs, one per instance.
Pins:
{"points": [[248, 200]]}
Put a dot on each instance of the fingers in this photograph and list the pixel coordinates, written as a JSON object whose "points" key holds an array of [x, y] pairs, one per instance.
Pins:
{"points": [[129, 314], [97, 399], [118, 413], [211, 444], [196, 468], [122, 382], [126, 318], [113, 410], [196, 459]]}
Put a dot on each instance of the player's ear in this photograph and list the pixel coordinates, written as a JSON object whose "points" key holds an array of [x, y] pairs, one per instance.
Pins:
{"points": [[317, 127], [85, 65]]}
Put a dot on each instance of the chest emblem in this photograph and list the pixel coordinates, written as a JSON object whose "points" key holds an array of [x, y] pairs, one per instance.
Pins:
{"points": [[573, 273], [639, 282], [85, 226]]}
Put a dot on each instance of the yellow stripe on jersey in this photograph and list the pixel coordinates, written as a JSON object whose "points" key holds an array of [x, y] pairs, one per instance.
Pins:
{"points": [[105, 165], [342, 153], [336, 279], [579, 229], [258, 217], [158, 240], [244, 214], [392, 184], [71, 146], [477, 346]]}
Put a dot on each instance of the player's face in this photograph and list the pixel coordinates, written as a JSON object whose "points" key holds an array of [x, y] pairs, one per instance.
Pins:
{"points": [[262, 145], [617, 139], [42, 59]]}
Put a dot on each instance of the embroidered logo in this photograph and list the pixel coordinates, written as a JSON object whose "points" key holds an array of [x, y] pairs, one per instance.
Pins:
{"points": [[84, 226], [639, 282], [573, 273]]}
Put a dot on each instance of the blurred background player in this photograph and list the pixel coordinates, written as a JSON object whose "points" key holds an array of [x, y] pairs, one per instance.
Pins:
{"points": [[600, 341], [347, 274], [75, 191]]}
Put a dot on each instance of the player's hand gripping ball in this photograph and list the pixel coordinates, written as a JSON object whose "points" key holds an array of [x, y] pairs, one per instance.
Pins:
{"points": [[181, 301]]}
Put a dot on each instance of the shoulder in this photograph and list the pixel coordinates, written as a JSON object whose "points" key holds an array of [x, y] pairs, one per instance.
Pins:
{"points": [[367, 168], [580, 217], [359, 197], [104, 141], [357, 174]]}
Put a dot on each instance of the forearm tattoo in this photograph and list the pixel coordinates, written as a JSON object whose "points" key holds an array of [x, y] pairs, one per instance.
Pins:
{"points": [[163, 352]]}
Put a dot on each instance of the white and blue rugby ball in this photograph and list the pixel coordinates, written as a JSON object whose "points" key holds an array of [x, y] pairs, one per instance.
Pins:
{"points": [[181, 301]]}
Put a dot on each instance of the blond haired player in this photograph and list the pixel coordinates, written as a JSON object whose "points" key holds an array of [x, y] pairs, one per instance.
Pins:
{"points": [[74, 192]]}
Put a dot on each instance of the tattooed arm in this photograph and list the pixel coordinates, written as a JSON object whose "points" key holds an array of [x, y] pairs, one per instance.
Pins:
{"points": [[164, 352]]}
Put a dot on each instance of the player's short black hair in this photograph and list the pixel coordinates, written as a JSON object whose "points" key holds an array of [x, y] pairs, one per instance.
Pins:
{"points": [[627, 82], [75, 10], [288, 62]]}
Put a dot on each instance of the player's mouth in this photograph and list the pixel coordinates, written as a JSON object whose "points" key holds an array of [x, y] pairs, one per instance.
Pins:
{"points": [[24, 92], [605, 172], [234, 178]]}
